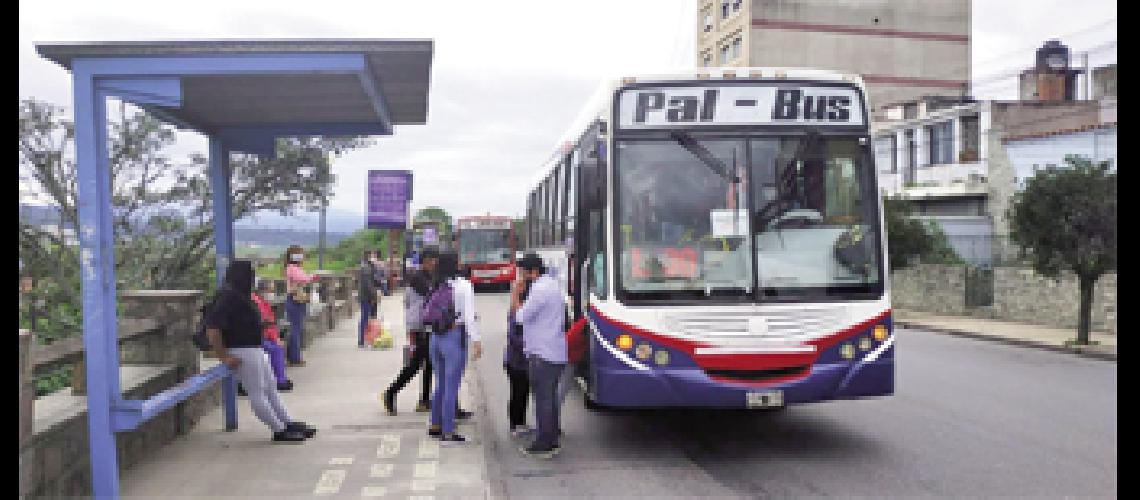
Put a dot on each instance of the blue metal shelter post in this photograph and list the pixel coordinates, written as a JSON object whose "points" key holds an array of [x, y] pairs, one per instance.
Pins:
{"points": [[224, 246], [96, 237]]}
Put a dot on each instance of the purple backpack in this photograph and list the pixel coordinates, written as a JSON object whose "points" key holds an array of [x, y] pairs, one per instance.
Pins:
{"points": [[439, 310]]}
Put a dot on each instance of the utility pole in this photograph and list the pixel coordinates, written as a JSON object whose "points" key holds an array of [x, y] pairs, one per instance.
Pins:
{"points": [[321, 243], [1088, 76]]}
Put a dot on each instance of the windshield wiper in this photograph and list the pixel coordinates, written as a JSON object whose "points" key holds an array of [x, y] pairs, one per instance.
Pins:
{"points": [[698, 150]]}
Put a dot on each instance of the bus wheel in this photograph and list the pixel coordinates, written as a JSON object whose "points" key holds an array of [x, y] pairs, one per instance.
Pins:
{"points": [[590, 404]]}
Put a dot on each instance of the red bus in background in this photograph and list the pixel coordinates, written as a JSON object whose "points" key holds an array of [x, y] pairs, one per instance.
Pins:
{"points": [[486, 247]]}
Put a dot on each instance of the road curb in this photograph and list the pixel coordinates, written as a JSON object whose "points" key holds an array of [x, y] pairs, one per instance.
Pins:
{"points": [[495, 488], [1083, 352]]}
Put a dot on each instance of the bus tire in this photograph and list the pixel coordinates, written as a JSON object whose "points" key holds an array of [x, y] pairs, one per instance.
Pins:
{"points": [[590, 404]]}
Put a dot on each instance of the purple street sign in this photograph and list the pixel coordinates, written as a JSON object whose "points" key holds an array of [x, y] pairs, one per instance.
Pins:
{"points": [[388, 195]]}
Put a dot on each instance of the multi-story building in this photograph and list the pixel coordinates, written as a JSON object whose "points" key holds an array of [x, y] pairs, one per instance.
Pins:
{"points": [[953, 160], [904, 49]]}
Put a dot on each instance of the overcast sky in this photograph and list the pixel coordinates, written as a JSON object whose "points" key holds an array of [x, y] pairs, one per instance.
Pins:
{"points": [[507, 76]]}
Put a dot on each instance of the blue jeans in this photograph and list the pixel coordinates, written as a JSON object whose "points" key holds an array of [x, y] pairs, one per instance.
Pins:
{"points": [[295, 313], [544, 377], [448, 358], [367, 311]]}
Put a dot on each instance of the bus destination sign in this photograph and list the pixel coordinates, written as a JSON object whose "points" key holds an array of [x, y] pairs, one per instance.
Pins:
{"points": [[689, 106]]}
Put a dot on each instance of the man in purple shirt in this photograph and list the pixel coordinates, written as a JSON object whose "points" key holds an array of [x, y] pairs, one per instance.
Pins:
{"points": [[543, 319]]}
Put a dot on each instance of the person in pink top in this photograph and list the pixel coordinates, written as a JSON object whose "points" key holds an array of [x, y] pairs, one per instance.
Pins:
{"points": [[297, 301], [271, 341]]}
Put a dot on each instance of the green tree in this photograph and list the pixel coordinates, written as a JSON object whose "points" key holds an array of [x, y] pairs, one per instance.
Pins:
{"points": [[162, 209], [1065, 219], [436, 214], [910, 239]]}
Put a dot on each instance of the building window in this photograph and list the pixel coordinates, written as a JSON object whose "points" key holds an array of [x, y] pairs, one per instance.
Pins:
{"points": [[885, 154], [736, 5], [736, 46], [708, 21], [706, 59], [724, 54], [910, 110], [724, 9], [970, 139], [941, 140]]}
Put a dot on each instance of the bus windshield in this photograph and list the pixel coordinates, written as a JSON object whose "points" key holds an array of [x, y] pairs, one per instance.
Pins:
{"points": [[697, 215], [486, 246]]}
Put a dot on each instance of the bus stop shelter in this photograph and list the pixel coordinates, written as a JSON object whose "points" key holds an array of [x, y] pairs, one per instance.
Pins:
{"points": [[243, 95]]}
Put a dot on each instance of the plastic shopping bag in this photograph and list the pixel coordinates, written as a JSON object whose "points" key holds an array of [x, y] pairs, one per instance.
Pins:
{"points": [[383, 338]]}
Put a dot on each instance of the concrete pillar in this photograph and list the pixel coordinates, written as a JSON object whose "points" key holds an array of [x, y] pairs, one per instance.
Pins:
{"points": [[956, 133], [177, 312], [27, 389]]}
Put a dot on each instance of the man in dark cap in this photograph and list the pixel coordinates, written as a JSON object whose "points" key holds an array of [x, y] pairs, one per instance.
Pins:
{"points": [[543, 318]]}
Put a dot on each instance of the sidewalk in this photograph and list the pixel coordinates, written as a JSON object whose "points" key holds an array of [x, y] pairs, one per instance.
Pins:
{"points": [[359, 451], [1009, 332]]}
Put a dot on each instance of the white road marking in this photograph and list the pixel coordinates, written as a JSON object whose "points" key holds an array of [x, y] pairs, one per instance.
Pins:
{"points": [[389, 446], [425, 470], [330, 482], [340, 461], [381, 470], [429, 449], [373, 491], [423, 485]]}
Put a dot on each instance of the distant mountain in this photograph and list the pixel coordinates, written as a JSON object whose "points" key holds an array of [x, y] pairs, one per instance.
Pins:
{"points": [[268, 229]]}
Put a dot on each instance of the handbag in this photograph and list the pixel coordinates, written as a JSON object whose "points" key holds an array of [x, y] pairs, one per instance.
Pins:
{"points": [[299, 293]]}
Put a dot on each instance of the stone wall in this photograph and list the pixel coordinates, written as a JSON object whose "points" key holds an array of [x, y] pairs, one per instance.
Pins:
{"points": [[1019, 294], [56, 462], [931, 288], [1022, 295]]}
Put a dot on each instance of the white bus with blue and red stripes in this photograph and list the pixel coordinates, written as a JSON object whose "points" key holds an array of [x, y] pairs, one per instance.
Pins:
{"points": [[731, 240]]}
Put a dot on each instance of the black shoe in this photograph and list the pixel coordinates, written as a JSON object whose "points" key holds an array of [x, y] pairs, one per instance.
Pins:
{"points": [[535, 451], [435, 432], [423, 407], [285, 386], [241, 391], [305, 429], [454, 438], [390, 403], [462, 414], [288, 436]]}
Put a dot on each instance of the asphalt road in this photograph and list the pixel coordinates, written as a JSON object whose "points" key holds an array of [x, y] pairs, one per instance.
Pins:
{"points": [[968, 418]]}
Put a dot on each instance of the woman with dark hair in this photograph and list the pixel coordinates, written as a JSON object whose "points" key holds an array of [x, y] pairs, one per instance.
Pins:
{"points": [[297, 300], [234, 327], [448, 347]]}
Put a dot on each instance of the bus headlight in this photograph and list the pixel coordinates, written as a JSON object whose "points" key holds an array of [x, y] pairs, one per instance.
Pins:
{"points": [[847, 351], [625, 342], [643, 351], [865, 344], [880, 333], [661, 357]]}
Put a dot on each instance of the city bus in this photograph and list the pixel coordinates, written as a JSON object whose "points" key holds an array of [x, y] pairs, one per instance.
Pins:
{"points": [[722, 234], [487, 249]]}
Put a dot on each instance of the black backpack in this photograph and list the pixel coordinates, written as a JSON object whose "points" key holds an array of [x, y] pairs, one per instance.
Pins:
{"points": [[201, 341]]}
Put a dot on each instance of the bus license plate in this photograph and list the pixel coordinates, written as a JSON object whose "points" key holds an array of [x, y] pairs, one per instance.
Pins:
{"points": [[486, 274], [765, 399]]}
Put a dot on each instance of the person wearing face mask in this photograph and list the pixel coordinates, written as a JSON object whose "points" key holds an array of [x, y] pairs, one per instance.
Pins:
{"points": [[296, 303], [542, 313], [271, 342], [234, 328], [366, 289]]}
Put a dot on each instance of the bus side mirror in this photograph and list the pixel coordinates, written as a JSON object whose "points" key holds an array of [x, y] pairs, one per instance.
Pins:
{"points": [[592, 169]]}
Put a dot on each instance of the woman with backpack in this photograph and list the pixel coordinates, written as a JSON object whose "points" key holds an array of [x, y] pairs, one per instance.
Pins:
{"points": [[297, 300], [234, 328], [450, 315]]}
